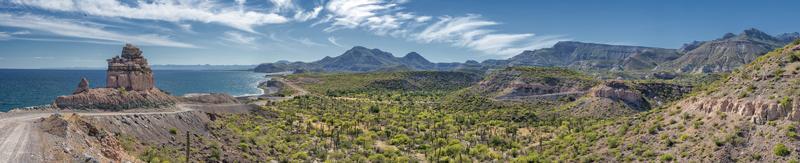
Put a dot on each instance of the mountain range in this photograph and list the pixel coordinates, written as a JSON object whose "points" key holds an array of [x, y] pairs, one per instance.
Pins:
{"points": [[360, 59], [720, 55]]}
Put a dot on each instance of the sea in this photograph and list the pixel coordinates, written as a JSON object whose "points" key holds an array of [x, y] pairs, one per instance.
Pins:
{"points": [[31, 87]]}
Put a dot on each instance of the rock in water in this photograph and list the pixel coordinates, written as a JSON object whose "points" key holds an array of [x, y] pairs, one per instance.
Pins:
{"points": [[83, 86], [129, 85]]}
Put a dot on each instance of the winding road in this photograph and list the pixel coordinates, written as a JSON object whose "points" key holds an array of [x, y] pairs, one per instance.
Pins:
{"points": [[22, 141]]}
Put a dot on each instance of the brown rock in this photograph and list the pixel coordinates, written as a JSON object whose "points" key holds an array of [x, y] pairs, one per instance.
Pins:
{"points": [[82, 86], [115, 99], [130, 71], [618, 90]]}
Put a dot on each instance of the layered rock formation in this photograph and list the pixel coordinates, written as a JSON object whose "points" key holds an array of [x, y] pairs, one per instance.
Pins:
{"points": [[129, 85], [130, 71]]}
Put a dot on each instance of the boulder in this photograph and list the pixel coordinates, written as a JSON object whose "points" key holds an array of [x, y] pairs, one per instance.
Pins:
{"points": [[83, 86]]}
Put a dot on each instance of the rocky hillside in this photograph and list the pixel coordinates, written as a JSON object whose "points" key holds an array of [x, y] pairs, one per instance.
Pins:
{"points": [[762, 91], [517, 83], [615, 98], [591, 56], [360, 59], [749, 116], [726, 53]]}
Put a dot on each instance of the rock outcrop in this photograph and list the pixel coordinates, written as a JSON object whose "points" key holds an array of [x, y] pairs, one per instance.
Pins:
{"points": [[129, 85], [616, 98], [130, 71], [528, 83], [619, 91], [115, 99], [83, 86]]}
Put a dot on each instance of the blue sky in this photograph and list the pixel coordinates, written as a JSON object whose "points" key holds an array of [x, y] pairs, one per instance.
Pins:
{"points": [[83, 33]]}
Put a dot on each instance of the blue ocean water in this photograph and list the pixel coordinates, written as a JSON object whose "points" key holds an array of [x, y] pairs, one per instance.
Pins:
{"points": [[21, 88]]}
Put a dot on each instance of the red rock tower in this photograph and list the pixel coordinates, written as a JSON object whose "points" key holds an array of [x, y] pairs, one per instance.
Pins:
{"points": [[129, 71]]}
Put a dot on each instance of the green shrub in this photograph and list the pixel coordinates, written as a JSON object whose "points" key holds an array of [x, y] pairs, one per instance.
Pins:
{"points": [[173, 131], [781, 150], [785, 102], [667, 157], [613, 142]]}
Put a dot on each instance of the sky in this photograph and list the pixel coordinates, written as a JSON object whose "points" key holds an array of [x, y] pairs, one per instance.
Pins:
{"points": [[83, 33]]}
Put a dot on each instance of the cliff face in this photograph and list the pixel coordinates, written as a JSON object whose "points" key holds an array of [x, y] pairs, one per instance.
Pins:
{"points": [[129, 85], [130, 71]]}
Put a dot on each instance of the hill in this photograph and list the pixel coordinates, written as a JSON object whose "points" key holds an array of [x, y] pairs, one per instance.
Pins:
{"points": [[518, 83], [749, 116]]}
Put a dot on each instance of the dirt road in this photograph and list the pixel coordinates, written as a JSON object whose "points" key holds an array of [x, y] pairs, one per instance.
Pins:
{"points": [[22, 141]]}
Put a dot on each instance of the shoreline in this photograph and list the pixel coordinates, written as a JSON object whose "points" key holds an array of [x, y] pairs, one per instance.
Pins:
{"points": [[258, 84]]}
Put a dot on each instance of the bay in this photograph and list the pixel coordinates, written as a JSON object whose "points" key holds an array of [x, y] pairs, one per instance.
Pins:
{"points": [[30, 87]]}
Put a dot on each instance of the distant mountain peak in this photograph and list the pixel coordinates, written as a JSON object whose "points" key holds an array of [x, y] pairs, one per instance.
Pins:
{"points": [[728, 35], [413, 55], [756, 34]]}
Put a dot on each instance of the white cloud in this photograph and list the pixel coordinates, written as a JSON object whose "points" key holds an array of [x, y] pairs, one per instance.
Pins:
{"points": [[375, 15], [282, 5], [307, 15], [308, 42], [21, 33], [44, 58], [68, 40], [333, 41], [238, 38], [164, 10], [186, 27], [385, 17], [472, 32], [68, 28]]}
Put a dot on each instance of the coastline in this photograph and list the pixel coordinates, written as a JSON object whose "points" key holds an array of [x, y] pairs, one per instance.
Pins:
{"points": [[261, 85]]}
